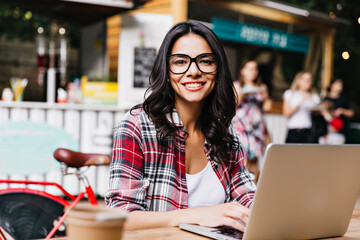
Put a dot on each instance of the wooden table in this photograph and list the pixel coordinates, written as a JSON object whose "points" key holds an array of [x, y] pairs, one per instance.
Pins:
{"points": [[353, 231], [174, 233]]}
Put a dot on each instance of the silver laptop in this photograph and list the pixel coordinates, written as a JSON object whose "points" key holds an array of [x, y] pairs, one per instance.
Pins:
{"points": [[305, 191]]}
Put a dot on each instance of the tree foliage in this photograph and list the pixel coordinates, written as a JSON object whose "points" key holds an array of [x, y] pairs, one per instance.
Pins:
{"points": [[17, 23]]}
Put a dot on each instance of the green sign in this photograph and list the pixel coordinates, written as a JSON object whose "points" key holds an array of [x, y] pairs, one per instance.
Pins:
{"points": [[252, 34]]}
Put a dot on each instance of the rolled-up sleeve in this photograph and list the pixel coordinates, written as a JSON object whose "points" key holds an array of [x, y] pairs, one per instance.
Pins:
{"points": [[127, 186], [242, 188]]}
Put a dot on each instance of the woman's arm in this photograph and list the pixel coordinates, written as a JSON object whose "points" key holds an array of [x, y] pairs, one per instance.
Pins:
{"points": [[349, 113], [127, 186], [211, 216], [288, 110], [265, 91], [267, 103], [238, 94]]}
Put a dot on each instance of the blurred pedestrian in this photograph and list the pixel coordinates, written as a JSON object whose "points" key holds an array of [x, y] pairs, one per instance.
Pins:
{"points": [[341, 104], [298, 103], [249, 121]]}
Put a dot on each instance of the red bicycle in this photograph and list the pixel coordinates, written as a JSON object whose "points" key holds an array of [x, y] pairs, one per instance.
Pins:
{"points": [[27, 213]]}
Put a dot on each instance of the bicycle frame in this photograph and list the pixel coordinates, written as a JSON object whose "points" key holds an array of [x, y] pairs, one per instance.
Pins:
{"points": [[88, 190], [82, 178]]}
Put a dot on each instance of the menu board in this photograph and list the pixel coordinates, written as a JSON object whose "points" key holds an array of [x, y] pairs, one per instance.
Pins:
{"points": [[143, 63]]}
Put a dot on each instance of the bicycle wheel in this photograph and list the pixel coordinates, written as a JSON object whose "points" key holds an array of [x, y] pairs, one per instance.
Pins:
{"points": [[26, 215]]}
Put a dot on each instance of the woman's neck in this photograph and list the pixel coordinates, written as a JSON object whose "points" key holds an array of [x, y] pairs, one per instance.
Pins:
{"points": [[304, 91], [249, 82], [334, 95], [190, 115]]}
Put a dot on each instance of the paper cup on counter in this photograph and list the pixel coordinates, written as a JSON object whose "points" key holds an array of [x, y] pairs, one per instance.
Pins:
{"points": [[87, 222]]}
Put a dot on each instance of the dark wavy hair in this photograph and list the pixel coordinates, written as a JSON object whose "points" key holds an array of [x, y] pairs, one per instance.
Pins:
{"points": [[219, 107], [333, 80]]}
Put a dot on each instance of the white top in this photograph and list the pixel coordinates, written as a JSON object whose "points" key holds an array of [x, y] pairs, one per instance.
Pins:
{"points": [[302, 117], [332, 138], [204, 188]]}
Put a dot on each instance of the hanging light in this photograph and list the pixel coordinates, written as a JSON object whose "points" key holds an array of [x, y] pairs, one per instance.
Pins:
{"points": [[28, 15], [62, 31], [338, 7], [345, 55], [40, 30]]}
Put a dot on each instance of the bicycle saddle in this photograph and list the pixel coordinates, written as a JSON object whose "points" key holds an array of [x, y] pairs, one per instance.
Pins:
{"points": [[79, 159]]}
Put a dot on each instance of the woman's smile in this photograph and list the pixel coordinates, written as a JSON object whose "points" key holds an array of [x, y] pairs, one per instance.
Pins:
{"points": [[194, 86]]}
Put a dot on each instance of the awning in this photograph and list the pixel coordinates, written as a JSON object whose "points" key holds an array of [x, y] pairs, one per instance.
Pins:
{"points": [[258, 35], [79, 12], [311, 15]]}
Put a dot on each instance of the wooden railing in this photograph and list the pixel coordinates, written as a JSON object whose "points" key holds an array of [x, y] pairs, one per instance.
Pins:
{"points": [[93, 127]]}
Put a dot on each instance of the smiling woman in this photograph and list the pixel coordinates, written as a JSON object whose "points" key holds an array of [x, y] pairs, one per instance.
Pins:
{"points": [[191, 82], [176, 158]]}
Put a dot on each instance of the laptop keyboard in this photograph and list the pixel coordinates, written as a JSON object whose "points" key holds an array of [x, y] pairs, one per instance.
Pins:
{"points": [[229, 231]]}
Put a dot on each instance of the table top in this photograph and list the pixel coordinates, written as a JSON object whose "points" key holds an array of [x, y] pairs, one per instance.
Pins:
{"points": [[353, 231], [172, 233]]}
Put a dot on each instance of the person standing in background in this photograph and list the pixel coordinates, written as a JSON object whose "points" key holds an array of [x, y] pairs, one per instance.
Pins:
{"points": [[341, 105], [251, 95], [298, 103]]}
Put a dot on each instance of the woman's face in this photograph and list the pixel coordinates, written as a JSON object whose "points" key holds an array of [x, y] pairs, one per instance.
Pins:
{"points": [[336, 87], [249, 72], [193, 85], [305, 82]]}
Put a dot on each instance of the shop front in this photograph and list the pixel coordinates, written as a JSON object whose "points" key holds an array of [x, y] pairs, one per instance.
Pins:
{"points": [[282, 38]]}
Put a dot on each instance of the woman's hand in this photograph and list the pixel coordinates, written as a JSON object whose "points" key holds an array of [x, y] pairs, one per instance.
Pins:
{"points": [[224, 214], [342, 111], [211, 216], [338, 112]]}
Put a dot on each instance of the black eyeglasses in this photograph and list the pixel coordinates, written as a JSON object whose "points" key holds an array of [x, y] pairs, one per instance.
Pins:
{"points": [[180, 63]]}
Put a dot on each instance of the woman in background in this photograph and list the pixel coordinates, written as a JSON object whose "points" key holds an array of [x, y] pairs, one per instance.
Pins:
{"points": [[340, 104], [249, 121], [298, 103]]}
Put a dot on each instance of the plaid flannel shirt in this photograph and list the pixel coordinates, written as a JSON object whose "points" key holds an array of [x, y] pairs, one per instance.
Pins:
{"points": [[145, 175]]}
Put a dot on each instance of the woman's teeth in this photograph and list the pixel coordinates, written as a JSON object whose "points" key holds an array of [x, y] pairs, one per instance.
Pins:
{"points": [[193, 85]]}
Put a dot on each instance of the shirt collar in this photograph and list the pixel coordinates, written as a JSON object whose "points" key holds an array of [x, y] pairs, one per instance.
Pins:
{"points": [[174, 117]]}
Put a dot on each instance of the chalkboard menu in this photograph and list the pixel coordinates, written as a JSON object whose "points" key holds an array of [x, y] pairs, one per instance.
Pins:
{"points": [[144, 60]]}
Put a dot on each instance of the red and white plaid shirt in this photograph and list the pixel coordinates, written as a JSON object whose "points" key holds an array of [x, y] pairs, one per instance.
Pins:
{"points": [[145, 175]]}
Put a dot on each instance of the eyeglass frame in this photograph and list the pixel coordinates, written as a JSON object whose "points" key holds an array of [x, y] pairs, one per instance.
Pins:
{"points": [[192, 60]]}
